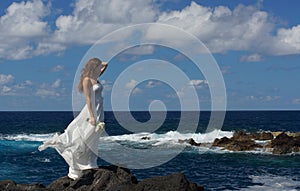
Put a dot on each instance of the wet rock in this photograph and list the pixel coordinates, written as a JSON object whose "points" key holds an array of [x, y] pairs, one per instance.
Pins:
{"points": [[262, 136], [145, 138], [242, 135], [9, 185], [284, 144], [221, 142], [108, 178], [190, 141], [242, 141], [242, 145]]}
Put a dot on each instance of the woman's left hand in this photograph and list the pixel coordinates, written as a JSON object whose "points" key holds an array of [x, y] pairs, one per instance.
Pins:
{"points": [[93, 121]]}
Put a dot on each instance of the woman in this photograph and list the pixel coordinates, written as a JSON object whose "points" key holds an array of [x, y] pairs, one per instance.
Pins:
{"points": [[78, 145]]}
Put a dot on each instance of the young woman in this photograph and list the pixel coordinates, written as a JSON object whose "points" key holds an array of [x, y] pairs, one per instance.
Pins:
{"points": [[78, 145]]}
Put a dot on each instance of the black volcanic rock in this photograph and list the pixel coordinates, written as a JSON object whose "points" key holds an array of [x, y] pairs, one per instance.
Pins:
{"points": [[190, 141], [9, 185], [240, 141], [221, 142], [108, 178], [242, 145], [262, 136], [284, 144]]}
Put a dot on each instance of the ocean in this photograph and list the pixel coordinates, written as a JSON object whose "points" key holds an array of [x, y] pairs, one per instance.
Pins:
{"points": [[22, 132]]}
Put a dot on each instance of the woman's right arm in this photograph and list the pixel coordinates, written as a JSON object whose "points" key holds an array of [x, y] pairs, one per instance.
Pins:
{"points": [[87, 91]]}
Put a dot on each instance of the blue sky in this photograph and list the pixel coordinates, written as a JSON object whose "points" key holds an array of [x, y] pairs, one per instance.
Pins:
{"points": [[256, 45]]}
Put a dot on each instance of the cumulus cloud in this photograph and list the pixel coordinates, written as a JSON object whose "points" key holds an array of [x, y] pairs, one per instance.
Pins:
{"points": [[296, 101], [57, 68], [198, 84], [52, 90], [4, 79], [226, 70], [266, 98], [106, 84], [22, 26], [5, 89], [56, 84], [25, 32], [46, 93], [153, 84], [140, 50], [243, 28], [251, 58], [92, 19], [131, 85]]}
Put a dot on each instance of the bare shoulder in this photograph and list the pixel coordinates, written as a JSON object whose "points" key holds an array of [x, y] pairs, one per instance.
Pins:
{"points": [[86, 82]]}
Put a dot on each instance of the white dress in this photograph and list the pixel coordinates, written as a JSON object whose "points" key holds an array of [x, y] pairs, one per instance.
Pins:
{"points": [[78, 145]]}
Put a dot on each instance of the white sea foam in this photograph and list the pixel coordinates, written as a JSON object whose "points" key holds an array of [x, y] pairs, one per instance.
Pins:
{"points": [[170, 137], [27, 137], [274, 183]]}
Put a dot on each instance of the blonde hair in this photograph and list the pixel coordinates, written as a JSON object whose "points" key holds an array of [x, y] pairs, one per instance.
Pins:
{"points": [[87, 71]]}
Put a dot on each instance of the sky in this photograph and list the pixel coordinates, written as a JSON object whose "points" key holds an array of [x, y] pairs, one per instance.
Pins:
{"points": [[255, 44]]}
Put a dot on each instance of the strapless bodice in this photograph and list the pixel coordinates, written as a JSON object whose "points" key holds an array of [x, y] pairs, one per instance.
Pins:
{"points": [[97, 87]]}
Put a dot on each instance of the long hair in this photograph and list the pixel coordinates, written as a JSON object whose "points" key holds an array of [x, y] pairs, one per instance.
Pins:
{"points": [[87, 71]]}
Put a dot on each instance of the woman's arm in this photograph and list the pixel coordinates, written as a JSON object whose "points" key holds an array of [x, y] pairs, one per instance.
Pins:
{"points": [[87, 91], [104, 64]]}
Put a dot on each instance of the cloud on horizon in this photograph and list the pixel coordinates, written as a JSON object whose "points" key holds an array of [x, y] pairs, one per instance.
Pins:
{"points": [[25, 31]]}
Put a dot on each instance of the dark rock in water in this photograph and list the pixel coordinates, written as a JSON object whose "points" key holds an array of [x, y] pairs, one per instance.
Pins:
{"points": [[242, 141], [190, 141], [221, 142], [9, 185], [104, 178], [145, 138], [173, 182], [242, 135], [284, 144], [110, 178], [262, 136], [242, 145]]}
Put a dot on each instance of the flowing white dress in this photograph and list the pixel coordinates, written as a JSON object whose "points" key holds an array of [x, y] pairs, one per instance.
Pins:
{"points": [[78, 145]]}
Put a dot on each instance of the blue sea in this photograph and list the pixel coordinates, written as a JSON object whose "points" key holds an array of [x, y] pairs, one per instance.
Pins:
{"points": [[22, 132]]}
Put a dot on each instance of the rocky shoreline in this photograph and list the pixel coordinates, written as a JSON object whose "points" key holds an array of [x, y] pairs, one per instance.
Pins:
{"points": [[278, 143], [108, 178]]}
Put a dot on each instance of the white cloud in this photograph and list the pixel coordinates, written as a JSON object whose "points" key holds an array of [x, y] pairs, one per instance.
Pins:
{"points": [[220, 28], [140, 50], [296, 101], [52, 90], [226, 70], [131, 85], [5, 89], [57, 68], [251, 58], [28, 82], [107, 85], [266, 98], [153, 84], [287, 41], [92, 19], [198, 84], [243, 28], [25, 32], [4, 79], [22, 27], [56, 84], [46, 93]]}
